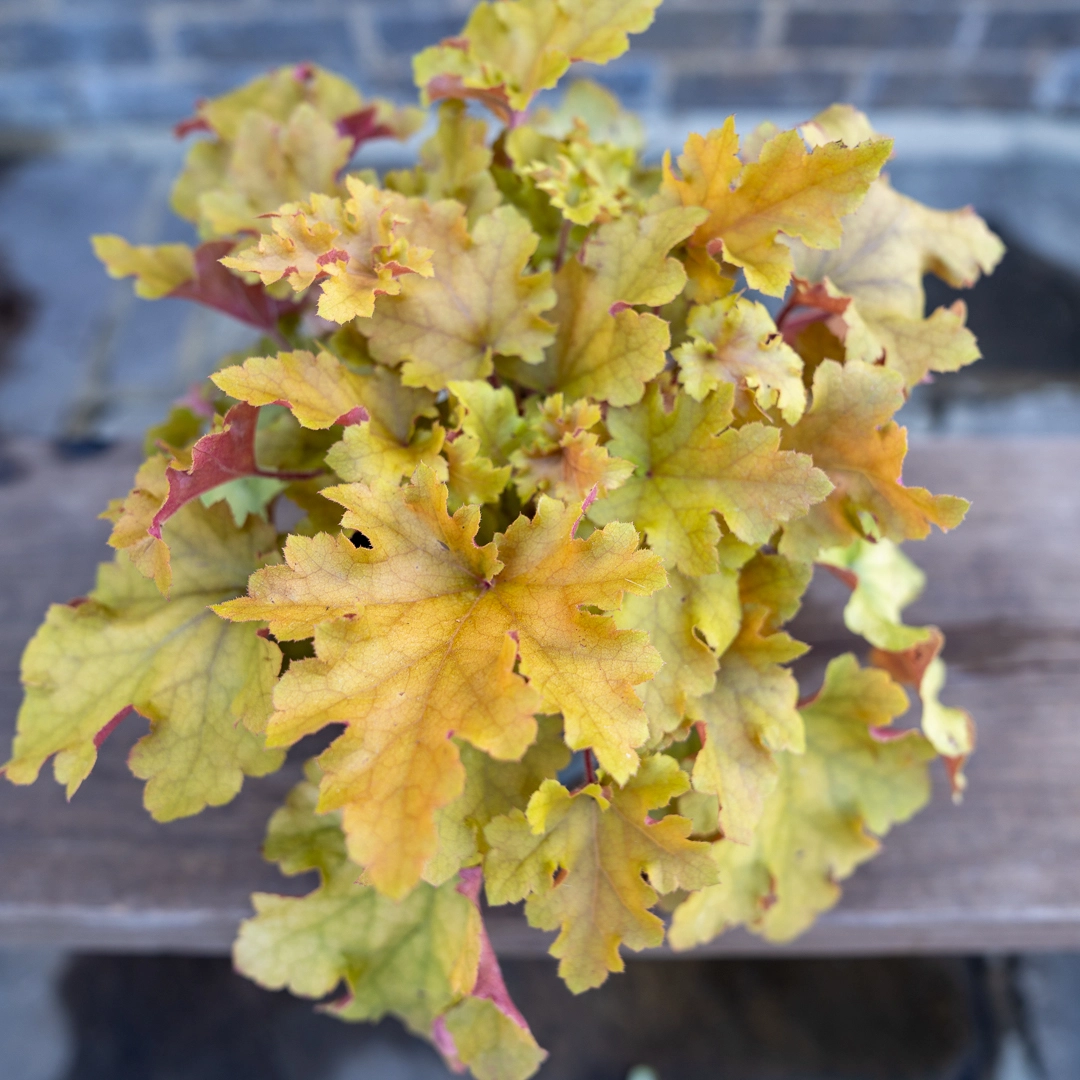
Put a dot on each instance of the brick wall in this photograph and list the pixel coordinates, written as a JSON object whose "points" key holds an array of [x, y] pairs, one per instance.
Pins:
{"points": [[76, 64]]}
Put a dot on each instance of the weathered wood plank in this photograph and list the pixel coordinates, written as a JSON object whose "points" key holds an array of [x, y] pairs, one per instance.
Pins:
{"points": [[1000, 872]]}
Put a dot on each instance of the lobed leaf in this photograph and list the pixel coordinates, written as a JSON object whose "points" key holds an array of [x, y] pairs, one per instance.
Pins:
{"points": [[734, 340], [855, 780], [849, 431], [492, 788], [203, 684], [787, 190], [751, 713], [689, 624], [418, 637], [884, 581], [426, 959], [612, 859], [319, 390], [509, 50], [560, 453], [478, 301], [485, 1030], [455, 163], [603, 348], [690, 465], [356, 248]]}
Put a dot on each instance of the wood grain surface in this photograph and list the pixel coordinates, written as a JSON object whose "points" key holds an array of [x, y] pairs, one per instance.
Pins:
{"points": [[1000, 872]]}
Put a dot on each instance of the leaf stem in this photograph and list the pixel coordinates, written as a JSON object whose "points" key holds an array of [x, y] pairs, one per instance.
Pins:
{"points": [[300, 474], [564, 239], [590, 768]]}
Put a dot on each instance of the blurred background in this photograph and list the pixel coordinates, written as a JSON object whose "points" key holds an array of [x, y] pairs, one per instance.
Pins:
{"points": [[983, 97]]}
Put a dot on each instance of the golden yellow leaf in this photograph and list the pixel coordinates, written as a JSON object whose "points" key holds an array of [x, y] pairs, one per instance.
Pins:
{"points": [[275, 140], [132, 517], [588, 173], [391, 443], [472, 478], [157, 268], [689, 623], [228, 185], [279, 92], [491, 416], [751, 714], [612, 861], [454, 164], [604, 349], [786, 190], [320, 390], [357, 248], [838, 123], [372, 454], [509, 50], [478, 302], [587, 104], [850, 433], [492, 788], [560, 455], [889, 245], [735, 340], [418, 637], [479, 455]]}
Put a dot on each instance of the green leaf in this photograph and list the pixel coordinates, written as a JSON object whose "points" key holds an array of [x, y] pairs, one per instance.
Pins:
{"points": [[885, 582], [203, 684], [692, 465], [493, 1045], [412, 958], [492, 788], [855, 780]]}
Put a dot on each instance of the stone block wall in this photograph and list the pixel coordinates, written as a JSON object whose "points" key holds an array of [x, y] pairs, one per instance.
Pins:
{"points": [[78, 64]]}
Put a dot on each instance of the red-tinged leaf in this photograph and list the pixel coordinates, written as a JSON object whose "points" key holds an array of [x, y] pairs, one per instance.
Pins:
{"points": [[812, 303], [363, 125], [485, 1032], [191, 124], [219, 288], [489, 977], [356, 415], [908, 666], [951, 730], [452, 86], [216, 458], [891, 735]]}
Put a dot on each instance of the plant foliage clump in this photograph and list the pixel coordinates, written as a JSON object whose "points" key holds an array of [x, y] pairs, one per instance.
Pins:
{"points": [[558, 474]]}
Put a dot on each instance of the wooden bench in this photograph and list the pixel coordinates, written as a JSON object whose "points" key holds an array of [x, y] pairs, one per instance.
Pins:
{"points": [[999, 873]]}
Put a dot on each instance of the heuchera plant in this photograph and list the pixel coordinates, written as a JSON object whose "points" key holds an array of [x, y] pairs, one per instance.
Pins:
{"points": [[558, 478]]}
